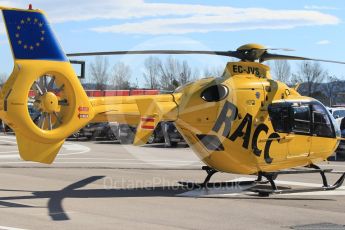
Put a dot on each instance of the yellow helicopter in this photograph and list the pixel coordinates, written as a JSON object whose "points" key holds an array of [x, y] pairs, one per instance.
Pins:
{"points": [[243, 122]]}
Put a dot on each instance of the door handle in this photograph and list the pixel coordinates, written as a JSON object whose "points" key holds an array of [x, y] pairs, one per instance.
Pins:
{"points": [[289, 137]]}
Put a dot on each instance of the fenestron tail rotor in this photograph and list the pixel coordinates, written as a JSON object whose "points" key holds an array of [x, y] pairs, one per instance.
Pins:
{"points": [[43, 100], [248, 52], [46, 101]]}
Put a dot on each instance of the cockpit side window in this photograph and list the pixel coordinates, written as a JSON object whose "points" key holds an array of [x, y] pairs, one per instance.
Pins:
{"points": [[322, 125], [280, 117], [290, 117], [301, 119]]}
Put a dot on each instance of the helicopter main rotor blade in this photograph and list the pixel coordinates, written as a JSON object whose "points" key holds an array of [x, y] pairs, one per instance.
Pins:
{"points": [[268, 56], [244, 54], [219, 53], [283, 49]]}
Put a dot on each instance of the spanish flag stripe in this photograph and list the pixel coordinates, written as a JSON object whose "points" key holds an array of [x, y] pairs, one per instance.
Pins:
{"points": [[147, 127], [147, 119], [147, 123]]}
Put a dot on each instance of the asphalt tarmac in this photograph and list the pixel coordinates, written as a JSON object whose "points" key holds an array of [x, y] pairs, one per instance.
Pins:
{"points": [[105, 185]]}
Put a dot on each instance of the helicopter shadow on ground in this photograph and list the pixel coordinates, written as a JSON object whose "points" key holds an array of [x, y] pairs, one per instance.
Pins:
{"points": [[95, 140], [55, 198], [104, 142], [163, 146], [156, 145]]}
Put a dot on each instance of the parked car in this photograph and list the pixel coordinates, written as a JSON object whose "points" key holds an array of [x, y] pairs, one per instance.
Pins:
{"points": [[340, 152], [96, 130], [338, 113], [4, 128], [166, 133], [123, 132], [107, 130]]}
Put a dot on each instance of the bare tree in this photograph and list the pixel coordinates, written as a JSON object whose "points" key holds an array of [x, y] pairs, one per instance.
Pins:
{"points": [[186, 73], [330, 87], [120, 76], [99, 72], [152, 72], [310, 73], [174, 73], [169, 73], [215, 71], [281, 71]]}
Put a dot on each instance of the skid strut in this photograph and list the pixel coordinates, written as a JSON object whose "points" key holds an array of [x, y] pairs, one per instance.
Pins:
{"points": [[210, 172], [207, 184]]}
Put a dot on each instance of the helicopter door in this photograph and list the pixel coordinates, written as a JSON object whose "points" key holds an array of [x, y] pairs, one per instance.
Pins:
{"points": [[300, 143], [323, 131]]}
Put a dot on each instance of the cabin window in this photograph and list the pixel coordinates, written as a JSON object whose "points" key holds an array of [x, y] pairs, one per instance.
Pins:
{"points": [[280, 117], [215, 93], [322, 125], [301, 119], [290, 117]]}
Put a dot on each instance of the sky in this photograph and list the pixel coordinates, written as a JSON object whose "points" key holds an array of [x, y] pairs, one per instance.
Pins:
{"points": [[311, 28]]}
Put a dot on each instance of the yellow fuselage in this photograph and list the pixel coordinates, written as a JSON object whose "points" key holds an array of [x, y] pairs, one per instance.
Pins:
{"points": [[251, 144]]}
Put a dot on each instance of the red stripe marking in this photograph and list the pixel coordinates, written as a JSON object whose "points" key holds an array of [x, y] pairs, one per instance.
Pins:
{"points": [[147, 127], [147, 119]]}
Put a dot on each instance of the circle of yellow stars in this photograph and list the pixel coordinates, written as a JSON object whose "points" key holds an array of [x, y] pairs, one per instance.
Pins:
{"points": [[24, 44]]}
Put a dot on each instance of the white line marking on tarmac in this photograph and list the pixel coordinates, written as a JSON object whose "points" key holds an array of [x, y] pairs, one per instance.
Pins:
{"points": [[71, 148], [74, 147], [54, 213], [337, 192], [8, 137], [9, 156], [10, 228], [298, 183], [116, 159], [12, 142], [330, 166], [14, 151]]}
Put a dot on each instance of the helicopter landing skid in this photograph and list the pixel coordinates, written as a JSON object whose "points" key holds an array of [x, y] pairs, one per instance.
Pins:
{"points": [[264, 191], [271, 176]]}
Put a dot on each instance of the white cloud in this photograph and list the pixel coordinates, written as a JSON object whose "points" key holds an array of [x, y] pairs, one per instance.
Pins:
{"points": [[238, 19], [323, 42], [78, 10], [166, 18], [7, 3], [315, 7]]}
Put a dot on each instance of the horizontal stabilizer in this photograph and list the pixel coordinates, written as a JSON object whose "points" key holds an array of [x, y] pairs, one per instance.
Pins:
{"points": [[31, 150]]}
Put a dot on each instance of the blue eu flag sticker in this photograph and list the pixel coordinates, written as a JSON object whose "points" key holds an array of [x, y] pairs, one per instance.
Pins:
{"points": [[31, 36]]}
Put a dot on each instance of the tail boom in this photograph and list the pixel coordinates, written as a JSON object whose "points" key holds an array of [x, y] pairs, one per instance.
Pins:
{"points": [[144, 112]]}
